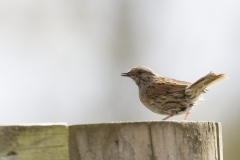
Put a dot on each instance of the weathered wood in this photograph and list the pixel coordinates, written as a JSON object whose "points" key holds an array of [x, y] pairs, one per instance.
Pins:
{"points": [[110, 141], [186, 140], [164, 140], [34, 142]]}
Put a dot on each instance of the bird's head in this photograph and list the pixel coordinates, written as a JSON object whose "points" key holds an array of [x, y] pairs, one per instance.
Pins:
{"points": [[141, 75]]}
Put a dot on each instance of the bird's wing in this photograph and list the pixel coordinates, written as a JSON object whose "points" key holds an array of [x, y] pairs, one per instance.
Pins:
{"points": [[165, 86]]}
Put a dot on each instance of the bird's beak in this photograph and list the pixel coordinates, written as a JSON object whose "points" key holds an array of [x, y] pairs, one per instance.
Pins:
{"points": [[128, 74]]}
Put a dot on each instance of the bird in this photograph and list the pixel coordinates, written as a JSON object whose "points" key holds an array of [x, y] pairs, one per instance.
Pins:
{"points": [[167, 96]]}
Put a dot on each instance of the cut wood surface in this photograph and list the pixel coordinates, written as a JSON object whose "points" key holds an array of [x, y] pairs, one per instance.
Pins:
{"points": [[163, 140], [34, 142]]}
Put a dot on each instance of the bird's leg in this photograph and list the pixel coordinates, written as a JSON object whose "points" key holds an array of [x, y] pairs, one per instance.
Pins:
{"points": [[185, 118], [170, 115]]}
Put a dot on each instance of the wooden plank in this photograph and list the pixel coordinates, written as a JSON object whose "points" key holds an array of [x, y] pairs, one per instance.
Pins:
{"points": [[186, 140], [110, 141], [34, 142], [163, 140]]}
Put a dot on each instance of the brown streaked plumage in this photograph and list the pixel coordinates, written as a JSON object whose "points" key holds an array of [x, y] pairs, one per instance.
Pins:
{"points": [[168, 96]]}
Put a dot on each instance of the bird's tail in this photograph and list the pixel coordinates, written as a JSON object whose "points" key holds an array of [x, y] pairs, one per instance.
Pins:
{"points": [[195, 89]]}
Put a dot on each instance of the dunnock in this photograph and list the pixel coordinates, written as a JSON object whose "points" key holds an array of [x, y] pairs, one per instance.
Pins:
{"points": [[168, 96]]}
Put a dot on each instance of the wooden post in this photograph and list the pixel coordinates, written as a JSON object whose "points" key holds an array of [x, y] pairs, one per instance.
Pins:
{"points": [[34, 142], [164, 140]]}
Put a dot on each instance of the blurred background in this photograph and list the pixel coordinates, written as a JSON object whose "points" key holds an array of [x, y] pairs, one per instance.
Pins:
{"points": [[60, 61]]}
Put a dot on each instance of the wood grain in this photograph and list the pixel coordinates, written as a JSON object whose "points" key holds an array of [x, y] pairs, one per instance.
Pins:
{"points": [[163, 140], [34, 142]]}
